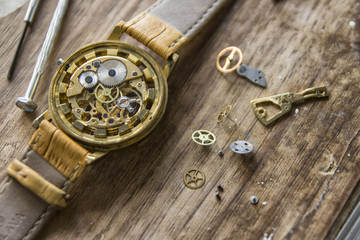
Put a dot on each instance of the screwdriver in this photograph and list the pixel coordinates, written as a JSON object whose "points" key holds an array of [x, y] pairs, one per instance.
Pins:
{"points": [[29, 16], [27, 103]]}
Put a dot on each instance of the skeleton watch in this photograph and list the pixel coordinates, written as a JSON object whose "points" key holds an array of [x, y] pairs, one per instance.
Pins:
{"points": [[105, 96]]}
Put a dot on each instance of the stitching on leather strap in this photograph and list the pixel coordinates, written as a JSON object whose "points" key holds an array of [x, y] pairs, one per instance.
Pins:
{"points": [[137, 19], [42, 216], [173, 44], [155, 5], [74, 171], [36, 139], [5, 184], [47, 146]]}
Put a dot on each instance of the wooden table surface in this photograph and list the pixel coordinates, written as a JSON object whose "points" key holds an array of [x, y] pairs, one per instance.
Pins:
{"points": [[305, 166]]}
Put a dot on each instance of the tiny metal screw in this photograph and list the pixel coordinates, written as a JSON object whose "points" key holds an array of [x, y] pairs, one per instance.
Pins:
{"points": [[96, 63], [218, 197], [242, 69], [220, 188], [254, 200], [60, 61], [221, 153]]}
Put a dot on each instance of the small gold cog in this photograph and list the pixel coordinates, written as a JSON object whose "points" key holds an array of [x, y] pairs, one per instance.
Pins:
{"points": [[106, 95], [194, 178], [224, 113]]}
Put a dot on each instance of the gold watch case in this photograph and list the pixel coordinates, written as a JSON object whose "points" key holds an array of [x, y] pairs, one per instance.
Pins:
{"points": [[108, 95]]}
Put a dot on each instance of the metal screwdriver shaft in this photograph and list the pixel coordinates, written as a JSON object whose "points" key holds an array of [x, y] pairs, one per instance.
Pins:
{"points": [[29, 16], [26, 103]]}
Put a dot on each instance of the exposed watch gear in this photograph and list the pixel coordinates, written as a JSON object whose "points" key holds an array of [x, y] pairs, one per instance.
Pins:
{"points": [[112, 72], [88, 79]]}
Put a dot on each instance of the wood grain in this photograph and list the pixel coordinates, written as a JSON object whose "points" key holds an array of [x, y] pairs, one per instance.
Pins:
{"points": [[138, 192]]}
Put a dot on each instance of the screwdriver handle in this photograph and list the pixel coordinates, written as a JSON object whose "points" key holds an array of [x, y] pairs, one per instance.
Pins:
{"points": [[45, 50], [30, 12]]}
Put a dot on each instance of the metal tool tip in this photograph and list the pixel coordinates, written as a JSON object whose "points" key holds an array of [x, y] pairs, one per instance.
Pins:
{"points": [[26, 104]]}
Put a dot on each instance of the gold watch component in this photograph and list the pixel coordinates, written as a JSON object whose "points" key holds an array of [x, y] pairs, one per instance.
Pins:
{"points": [[241, 147], [194, 178], [254, 75], [224, 114], [108, 95], [283, 102], [203, 137], [229, 53]]}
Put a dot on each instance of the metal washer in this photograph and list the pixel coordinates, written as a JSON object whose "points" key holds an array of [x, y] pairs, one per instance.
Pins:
{"points": [[241, 147]]}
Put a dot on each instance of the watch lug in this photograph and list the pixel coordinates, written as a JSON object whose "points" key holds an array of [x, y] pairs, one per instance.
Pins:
{"points": [[171, 64], [44, 116], [116, 32], [92, 157]]}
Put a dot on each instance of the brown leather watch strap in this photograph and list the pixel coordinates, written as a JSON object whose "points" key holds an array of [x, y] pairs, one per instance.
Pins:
{"points": [[59, 161], [168, 24]]}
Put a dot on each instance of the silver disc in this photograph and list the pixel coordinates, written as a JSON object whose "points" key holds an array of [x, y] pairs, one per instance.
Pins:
{"points": [[88, 79], [241, 147], [112, 73]]}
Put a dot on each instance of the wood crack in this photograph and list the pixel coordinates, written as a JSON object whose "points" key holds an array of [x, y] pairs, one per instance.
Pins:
{"points": [[322, 196]]}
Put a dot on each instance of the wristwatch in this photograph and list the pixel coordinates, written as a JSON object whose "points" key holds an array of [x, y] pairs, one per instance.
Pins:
{"points": [[105, 96]]}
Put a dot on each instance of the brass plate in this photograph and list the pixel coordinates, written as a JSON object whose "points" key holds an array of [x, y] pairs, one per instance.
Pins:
{"points": [[284, 103]]}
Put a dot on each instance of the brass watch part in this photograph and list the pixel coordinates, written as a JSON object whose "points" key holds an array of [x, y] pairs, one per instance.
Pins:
{"points": [[229, 53], [224, 113], [117, 31], [44, 116], [284, 103], [109, 117], [203, 137], [194, 178]]}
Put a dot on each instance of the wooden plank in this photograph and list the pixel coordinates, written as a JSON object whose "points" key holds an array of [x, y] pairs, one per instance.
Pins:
{"points": [[138, 192]]}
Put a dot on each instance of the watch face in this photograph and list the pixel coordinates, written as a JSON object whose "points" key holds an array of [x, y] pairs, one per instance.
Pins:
{"points": [[108, 95]]}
